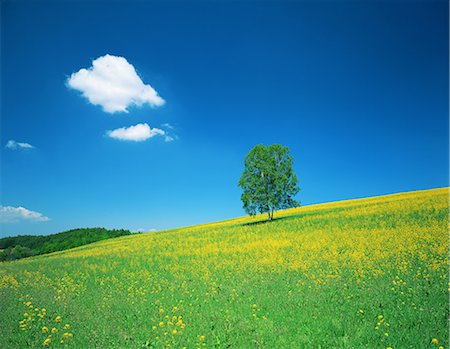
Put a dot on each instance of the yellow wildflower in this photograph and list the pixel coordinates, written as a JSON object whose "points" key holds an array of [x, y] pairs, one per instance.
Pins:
{"points": [[434, 341], [58, 318], [44, 329], [46, 342]]}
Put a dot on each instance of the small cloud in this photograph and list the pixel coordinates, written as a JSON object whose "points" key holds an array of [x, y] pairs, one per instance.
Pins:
{"points": [[9, 214], [113, 84], [142, 230], [137, 133], [169, 135], [12, 144]]}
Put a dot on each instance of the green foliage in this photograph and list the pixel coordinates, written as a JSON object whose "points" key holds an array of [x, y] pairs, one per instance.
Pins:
{"points": [[268, 181], [16, 252], [22, 246]]}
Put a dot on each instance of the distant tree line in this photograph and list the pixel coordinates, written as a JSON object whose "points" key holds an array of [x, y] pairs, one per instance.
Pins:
{"points": [[30, 245]]}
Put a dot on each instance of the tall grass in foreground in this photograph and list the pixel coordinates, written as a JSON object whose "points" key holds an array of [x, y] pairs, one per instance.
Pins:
{"points": [[369, 273]]}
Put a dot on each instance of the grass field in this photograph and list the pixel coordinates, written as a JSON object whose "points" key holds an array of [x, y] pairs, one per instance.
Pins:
{"points": [[368, 273]]}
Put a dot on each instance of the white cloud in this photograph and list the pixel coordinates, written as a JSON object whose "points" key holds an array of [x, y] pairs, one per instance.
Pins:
{"points": [[113, 84], [12, 144], [9, 214], [136, 133], [142, 230], [169, 136]]}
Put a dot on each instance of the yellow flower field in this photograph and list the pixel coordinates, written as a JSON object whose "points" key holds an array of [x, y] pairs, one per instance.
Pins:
{"points": [[368, 273]]}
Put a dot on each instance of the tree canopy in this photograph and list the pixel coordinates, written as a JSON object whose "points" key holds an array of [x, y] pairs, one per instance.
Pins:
{"points": [[268, 181]]}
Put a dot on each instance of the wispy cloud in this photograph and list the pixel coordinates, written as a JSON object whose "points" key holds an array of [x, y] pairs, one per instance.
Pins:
{"points": [[169, 132], [136, 133], [10, 214], [142, 230], [12, 144], [113, 84]]}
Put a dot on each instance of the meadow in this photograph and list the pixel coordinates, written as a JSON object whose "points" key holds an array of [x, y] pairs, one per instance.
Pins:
{"points": [[367, 273]]}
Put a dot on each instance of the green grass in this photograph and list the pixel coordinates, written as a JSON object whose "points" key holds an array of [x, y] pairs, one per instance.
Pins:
{"points": [[338, 275]]}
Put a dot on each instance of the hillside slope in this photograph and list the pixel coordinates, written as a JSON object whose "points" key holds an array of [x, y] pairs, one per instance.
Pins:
{"points": [[23, 246], [368, 273]]}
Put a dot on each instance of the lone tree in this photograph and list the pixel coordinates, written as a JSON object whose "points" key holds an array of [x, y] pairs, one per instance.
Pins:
{"points": [[268, 181]]}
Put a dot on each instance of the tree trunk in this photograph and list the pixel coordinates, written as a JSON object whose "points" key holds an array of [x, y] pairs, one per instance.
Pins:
{"points": [[268, 215]]}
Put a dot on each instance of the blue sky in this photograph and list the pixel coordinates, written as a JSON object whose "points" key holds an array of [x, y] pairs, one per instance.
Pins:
{"points": [[357, 90]]}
